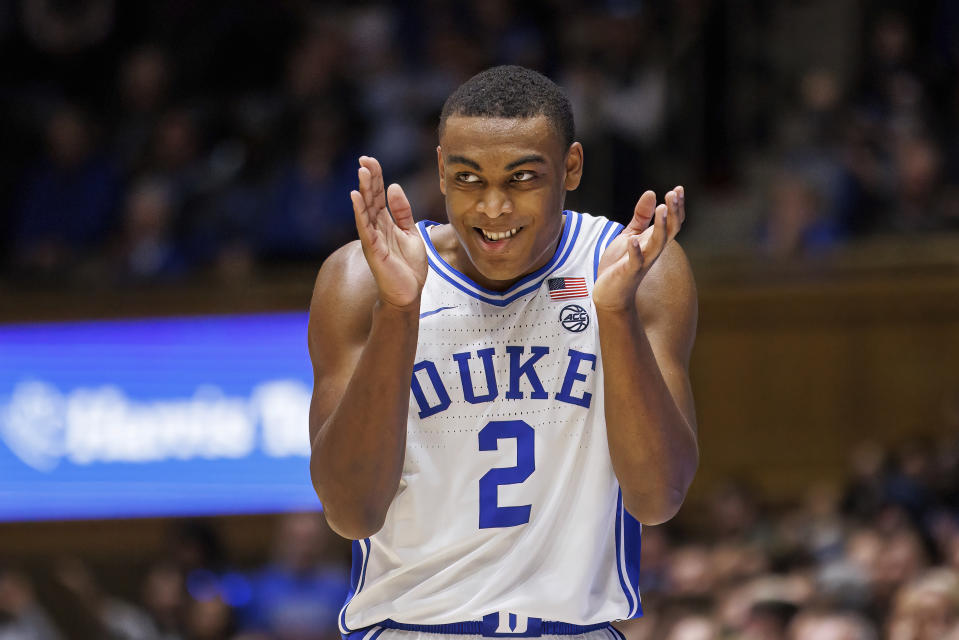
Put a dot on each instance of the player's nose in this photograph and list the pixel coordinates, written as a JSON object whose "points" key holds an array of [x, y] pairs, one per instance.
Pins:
{"points": [[494, 203]]}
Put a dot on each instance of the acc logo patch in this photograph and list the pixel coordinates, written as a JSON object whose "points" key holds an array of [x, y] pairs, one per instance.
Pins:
{"points": [[574, 318]]}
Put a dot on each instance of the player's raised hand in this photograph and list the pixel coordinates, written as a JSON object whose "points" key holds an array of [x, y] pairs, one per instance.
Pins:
{"points": [[392, 245], [634, 251]]}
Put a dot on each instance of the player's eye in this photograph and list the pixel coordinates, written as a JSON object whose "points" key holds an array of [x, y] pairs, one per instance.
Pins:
{"points": [[523, 176], [467, 178]]}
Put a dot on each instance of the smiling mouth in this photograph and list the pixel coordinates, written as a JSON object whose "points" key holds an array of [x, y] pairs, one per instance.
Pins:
{"points": [[494, 236]]}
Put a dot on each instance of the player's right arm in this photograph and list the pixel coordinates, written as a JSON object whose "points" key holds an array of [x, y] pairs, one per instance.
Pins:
{"points": [[364, 320]]}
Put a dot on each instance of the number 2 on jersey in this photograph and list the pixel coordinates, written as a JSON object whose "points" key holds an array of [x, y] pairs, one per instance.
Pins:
{"points": [[491, 514]]}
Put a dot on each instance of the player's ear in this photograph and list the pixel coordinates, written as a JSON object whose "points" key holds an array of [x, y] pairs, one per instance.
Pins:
{"points": [[442, 168], [574, 166]]}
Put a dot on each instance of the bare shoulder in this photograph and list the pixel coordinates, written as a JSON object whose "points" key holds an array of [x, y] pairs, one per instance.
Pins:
{"points": [[670, 277], [666, 299], [343, 297]]}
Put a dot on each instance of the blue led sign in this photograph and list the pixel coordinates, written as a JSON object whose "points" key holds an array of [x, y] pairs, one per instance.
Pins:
{"points": [[181, 416]]}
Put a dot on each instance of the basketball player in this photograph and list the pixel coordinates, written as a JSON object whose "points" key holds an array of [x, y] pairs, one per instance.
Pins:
{"points": [[501, 400]]}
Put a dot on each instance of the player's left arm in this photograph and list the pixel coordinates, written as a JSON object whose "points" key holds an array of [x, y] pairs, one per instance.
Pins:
{"points": [[645, 301]]}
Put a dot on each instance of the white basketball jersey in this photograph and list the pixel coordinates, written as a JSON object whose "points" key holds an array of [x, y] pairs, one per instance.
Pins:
{"points": [[507, 508]]}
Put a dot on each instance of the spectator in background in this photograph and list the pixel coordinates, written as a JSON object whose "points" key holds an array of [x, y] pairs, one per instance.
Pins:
{"points": [[310, 216], [299, 595], [209, 618], [190, 595], [832, 625], [919, 203], [817, 526], [147, 250], [67, 27], [196, 546], [735, 514], [736, 562], [21, 616], [901, 559], [768, 620], [223, 233], [421, 185], [908, 483], [690, 573], [927, 607], [101, 613], [143, 88], [164, 596], [316, 69], [618, 84], [890, 85], [814, 199], [69, 199], [761, 607], [895, 94], [864, 488], [694, 627], [797, 220], [70, 42], [654, 560], [847, 581], [507, 34], [175, 157], [392, 93], [318, 83]]}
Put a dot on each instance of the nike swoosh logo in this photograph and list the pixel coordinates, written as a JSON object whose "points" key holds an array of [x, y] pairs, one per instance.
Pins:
{"points": [[429, 313]]}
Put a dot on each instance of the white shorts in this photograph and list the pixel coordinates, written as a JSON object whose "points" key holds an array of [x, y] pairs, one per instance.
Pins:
{"points": [[382, 633]]}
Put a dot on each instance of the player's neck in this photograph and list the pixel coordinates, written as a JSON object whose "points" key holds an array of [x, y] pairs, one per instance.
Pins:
{"points": [[444, 239]]}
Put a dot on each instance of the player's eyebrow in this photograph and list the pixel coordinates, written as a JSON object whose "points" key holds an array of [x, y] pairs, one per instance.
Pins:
{"points": [[524, 160], [464, 160]]}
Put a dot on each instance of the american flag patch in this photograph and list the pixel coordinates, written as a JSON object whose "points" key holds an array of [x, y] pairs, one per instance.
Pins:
{"points": [[566, 288]]}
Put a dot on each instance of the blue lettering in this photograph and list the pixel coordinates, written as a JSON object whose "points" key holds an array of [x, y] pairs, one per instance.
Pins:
{"points": [[462, 359], [573, 375], [443, 397], [517, 371], [491, 514]]}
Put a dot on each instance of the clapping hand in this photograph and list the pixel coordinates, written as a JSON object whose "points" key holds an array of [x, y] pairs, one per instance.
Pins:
{"points": [[392, 245], [630, 256]]}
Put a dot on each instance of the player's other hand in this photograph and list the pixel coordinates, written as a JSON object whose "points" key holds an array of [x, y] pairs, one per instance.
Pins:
{"points": [[630, 256], [392, 245]]}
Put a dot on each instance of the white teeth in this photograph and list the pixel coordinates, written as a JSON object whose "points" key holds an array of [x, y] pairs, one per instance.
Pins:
{"points": [[499, 235]]}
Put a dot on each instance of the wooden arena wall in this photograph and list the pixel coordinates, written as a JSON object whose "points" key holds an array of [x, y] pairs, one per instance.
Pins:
{"points": [[790, 377]]}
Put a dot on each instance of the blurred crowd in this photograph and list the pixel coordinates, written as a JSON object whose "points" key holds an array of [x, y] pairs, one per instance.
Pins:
{"points": [[166, 139], [875, 557], [193, 591]]}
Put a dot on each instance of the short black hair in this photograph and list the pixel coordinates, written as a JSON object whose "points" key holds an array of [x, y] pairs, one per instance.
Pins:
{"points": [[511, 91]]}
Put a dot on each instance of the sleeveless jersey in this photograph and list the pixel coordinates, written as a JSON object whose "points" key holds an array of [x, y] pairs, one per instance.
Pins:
{"points": [[507, 507]]}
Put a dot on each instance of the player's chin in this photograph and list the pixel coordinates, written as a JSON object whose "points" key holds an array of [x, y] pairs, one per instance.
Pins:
{"points": [[499, 251], [501, 270]]}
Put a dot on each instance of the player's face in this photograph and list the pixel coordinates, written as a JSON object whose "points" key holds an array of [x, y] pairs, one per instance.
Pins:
{"points": [[505, 180]]}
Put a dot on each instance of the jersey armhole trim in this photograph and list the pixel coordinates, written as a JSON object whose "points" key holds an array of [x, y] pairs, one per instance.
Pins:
{"points": [[606, 236]]}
